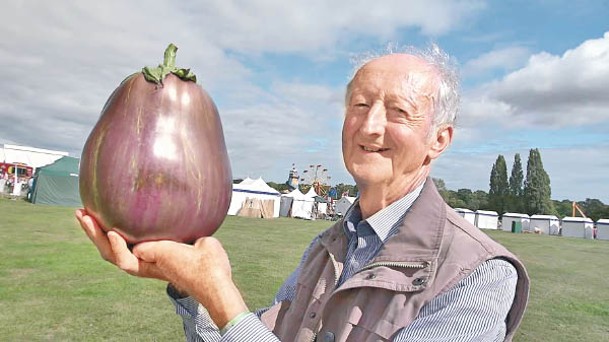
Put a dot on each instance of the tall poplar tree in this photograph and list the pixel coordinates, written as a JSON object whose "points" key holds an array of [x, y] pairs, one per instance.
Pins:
{"points": [[516, 191], [499, 189], [537, 191]]}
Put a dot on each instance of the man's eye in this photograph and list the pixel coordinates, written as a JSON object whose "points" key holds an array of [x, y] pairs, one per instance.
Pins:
{"points": [[361, 104]]}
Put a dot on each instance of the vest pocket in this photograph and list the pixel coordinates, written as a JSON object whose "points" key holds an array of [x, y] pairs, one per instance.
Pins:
{"points": [[375, 330]]}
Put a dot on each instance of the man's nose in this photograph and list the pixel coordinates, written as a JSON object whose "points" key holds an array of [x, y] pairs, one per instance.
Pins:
{"points": [[375, 121]]}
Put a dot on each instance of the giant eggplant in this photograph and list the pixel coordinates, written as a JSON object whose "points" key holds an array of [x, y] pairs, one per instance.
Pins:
{"points": [[155, 165]]}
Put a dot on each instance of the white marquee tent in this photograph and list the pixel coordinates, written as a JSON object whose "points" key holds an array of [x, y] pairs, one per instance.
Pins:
{"points": [[311, 193], [580, 227], [296, 204], [546, 224], [254, 194], [321, 208], [508, 218], [487, 219], [468, 215], [32, 156], [602, 229]]}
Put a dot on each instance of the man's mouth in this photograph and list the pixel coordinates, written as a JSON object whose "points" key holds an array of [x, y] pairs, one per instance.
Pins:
{"points": [[374, 149]]}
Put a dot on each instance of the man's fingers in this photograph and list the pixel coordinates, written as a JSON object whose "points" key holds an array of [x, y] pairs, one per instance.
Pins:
{"points": [[124, 259], [95, 234], [159, 250], [151, 270]]}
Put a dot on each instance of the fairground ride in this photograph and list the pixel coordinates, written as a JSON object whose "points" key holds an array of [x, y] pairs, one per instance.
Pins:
{"points": [[318, 177]]}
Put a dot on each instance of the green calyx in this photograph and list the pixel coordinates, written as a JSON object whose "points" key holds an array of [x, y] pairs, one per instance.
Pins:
{"points": [[158, 74]]}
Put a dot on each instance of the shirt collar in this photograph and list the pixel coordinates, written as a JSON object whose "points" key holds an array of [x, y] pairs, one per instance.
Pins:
{"points": [[386, 221]]}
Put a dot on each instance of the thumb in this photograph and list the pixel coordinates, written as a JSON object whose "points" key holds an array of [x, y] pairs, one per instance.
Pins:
{"points": [[155, 251]]}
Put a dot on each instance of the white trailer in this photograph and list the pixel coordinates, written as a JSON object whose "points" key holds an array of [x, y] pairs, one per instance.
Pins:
{"points": [[487, 219], [545, 224], [579, 227], [468, 215], [508, 218], [602, 229]]}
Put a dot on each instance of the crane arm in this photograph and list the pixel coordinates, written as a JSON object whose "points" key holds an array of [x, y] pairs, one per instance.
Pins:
{"points": [[576, 207]]}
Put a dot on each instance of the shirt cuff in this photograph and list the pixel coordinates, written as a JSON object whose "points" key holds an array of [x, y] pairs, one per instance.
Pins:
{"points": [[185, 306], [249, 328], [233, 322]]}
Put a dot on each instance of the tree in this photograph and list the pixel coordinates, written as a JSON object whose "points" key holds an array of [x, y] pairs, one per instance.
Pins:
{"points": [[499, 188], [537, 190], [281, 187], [515, 201], [563, 208], [441, 186], [594, 209], [350, 190], [479, 200]]}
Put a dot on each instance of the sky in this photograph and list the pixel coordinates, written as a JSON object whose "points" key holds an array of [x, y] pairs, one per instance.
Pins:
{"points": [[534, 74]]}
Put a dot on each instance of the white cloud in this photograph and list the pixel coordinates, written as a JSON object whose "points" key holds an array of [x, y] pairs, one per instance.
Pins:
{"points": [[65, 57], [552, 90], [297, 123], [507, 58], [307, 26]]}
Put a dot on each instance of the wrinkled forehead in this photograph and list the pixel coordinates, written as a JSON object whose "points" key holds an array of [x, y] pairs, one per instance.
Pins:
{"points": [[407, 74]]}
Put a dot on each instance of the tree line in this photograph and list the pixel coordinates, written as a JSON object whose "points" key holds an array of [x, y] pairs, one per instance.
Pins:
{"points": [[530, 194]]}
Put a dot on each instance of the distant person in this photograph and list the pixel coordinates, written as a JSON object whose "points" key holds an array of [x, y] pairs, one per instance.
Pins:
{"points": [[400, 266], [16, 192], [2, 182], [30, 188]]}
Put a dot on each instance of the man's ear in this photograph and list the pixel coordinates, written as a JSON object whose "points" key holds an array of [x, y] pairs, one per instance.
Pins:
{"points": [[440, 142]]}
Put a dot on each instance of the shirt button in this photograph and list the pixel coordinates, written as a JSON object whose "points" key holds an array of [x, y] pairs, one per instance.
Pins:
{"points": [[419, 281], [370, 276], [312, 315]]}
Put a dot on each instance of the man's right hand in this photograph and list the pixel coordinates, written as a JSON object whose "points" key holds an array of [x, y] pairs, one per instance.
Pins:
{"points": [[201, 270], [113, 248]]}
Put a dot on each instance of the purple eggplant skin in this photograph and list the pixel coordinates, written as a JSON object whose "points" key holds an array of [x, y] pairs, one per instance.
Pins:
{"points": [[155, 166]]}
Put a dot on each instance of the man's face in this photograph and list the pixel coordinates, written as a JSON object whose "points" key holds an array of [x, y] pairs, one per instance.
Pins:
{"points": [[386, 133]]}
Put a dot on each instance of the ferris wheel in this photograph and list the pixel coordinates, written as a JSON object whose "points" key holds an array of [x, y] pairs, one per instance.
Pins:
{"points": [[318, 177]]}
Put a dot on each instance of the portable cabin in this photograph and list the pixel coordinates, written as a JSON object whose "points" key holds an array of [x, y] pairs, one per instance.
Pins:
{"points": [[579, 227], [602, 229], [508, 220], [468, 215], [487, 219], [343, 204], [545, 224]]}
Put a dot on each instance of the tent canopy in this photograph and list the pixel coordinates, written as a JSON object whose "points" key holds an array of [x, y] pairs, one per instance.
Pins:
{"points": [[35, 157], [254, 198], [57, 183], [300, 206]]}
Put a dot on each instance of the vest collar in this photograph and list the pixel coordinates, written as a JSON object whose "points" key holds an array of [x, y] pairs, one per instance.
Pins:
{"points": [[418, 240]]}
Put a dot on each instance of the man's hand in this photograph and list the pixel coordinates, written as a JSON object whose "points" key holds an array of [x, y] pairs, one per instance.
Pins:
{"points": [[113, 248], [202, 270]]}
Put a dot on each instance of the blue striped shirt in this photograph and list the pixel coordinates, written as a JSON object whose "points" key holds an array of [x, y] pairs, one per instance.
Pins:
{"points": [[474, 310]]}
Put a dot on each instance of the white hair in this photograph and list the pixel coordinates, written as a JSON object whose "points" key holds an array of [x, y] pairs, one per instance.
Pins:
{"points": [[447, 101]]}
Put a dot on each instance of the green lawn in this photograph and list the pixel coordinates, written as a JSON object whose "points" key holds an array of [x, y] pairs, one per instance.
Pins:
{"points": [[55, 287]]}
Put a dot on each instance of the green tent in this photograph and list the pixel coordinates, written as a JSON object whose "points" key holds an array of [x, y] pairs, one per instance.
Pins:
{"points": [[57, 183]]}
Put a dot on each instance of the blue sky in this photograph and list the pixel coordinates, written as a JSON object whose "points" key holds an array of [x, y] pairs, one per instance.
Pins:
{"points": [[535, 74]]}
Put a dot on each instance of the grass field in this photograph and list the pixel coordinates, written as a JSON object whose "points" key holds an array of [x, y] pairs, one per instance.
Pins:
{"points": [[54, 286]]}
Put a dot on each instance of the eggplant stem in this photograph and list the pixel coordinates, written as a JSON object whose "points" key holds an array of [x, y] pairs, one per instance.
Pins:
{"points": [[157, 74]]}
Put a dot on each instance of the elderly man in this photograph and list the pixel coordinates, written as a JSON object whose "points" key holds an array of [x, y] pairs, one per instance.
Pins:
{"points": [[401, 265]]}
